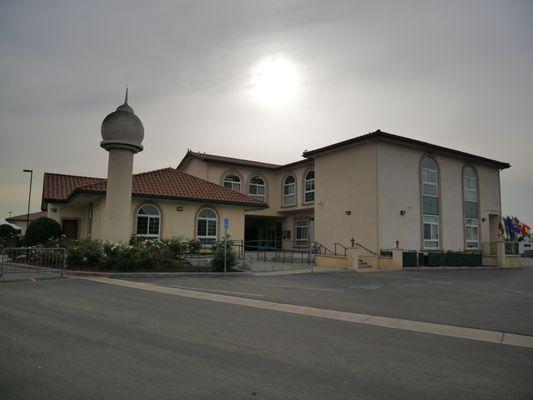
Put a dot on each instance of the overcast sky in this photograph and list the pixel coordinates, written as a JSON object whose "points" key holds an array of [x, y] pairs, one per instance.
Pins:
{"points": [[457, 74]]}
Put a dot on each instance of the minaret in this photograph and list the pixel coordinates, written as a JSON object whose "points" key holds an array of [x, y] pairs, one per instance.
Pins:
{"points": [[122, 134]]}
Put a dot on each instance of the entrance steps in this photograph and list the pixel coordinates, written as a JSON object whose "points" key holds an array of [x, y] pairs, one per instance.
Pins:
{"points": [[271, 263]]}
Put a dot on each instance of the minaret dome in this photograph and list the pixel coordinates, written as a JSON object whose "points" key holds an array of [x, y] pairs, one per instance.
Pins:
{"points": [[122, 129]]}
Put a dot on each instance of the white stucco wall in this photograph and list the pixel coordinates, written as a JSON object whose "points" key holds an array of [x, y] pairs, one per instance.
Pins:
{"points": [[399, 189]]}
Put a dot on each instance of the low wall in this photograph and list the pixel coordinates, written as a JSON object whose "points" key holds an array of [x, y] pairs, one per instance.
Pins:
{"points": [[333, 261], [490, 261], [526, 261]]}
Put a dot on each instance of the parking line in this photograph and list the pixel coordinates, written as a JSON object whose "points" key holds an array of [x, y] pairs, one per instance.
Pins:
{"points": [[219, 291], [374, 320]]}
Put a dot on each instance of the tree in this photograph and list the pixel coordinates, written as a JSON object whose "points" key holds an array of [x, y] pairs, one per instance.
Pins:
{"points": [[7, 231], [41, 230]]}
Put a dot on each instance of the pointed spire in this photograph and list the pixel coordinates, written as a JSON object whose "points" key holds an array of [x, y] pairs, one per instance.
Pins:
{"points": [[126, 98]]}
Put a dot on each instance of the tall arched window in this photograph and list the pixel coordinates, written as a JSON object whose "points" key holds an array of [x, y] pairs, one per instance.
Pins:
{"points": [[289, 191], [429, 177], [232, 181], [207, 226], [257, 188], [471, 209], [148, 221], [309, 190]]}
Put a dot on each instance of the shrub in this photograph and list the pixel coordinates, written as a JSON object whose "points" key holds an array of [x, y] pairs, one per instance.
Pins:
{"points": [[9, 236], [177, 246], [85, 253], [194, 246], [7, 231], [218, 257], [41, 230]]}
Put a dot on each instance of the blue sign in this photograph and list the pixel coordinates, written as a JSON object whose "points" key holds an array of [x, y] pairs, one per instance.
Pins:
{"points": [[226, 223]]}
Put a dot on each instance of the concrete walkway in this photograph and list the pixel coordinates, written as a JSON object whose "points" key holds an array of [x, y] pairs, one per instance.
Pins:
{"points": [[496, 337]]}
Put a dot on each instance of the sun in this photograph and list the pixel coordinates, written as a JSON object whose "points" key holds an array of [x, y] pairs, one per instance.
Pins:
{"points": [[274, 81]]}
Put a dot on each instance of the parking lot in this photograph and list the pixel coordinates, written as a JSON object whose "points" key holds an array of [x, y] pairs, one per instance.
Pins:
{"points": [[139, 338]]}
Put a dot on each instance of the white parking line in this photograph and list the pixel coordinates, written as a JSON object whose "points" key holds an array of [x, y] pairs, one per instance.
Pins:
{"points": [[297, 287], [219, 291], [386, 322]]}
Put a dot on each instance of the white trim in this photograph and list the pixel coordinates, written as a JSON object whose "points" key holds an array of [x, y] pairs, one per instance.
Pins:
{"points": [[149, 217], [291, 194], [206, 238]]}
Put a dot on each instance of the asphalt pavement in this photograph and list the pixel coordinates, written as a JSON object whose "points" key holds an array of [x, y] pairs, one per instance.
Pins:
{"points": [[74, 339]]}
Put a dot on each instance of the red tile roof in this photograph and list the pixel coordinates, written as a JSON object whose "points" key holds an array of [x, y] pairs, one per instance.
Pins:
{"points": [[227, 160], [235, 161], [379, 135], [165, 183], [23, 217]]}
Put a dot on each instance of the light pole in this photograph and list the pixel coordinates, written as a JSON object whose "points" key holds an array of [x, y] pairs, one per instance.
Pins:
{"points": [[29, 197]]}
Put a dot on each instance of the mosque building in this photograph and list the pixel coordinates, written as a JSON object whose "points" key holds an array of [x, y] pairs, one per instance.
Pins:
{"points": [[381, 190]]}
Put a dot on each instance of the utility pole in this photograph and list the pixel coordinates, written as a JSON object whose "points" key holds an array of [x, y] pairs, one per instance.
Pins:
{"points": [[29, 197]]}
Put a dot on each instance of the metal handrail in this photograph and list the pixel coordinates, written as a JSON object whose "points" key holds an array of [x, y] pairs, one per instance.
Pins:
{"points": [[341, 246], [367, 249]]}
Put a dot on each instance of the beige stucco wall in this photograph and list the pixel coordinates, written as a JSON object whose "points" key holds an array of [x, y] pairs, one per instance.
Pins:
{"points": [[183, 223], [173, 223], [399, 189], [215, 172], [346, 180], [70, 211], [115, 225]]}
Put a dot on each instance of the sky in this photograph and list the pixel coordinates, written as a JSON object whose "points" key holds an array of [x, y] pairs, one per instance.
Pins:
{"points": [[455, 73]]}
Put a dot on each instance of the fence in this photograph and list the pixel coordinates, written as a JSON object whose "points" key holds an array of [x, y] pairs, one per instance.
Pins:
{"points": [[32, 260], [413, 258]]}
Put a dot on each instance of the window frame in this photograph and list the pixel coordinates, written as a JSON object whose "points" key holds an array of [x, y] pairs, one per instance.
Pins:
{"points": [[432, 232], [471, 228], [289, 195], [313, 190], [206, 239], [435, 236], [232, 183], [149, 217], [301, 242], [262, 197], [430, 183]]}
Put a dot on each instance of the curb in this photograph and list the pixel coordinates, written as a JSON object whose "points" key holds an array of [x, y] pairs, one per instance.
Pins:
{"points": [[150, 274], [455, 268]]}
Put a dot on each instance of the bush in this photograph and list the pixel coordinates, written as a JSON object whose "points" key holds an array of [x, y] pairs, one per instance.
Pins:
{"points": [[85, 253], [41, 230], [7, 231], [9, 236], [218, 257], [177, 246], [194, 246]]}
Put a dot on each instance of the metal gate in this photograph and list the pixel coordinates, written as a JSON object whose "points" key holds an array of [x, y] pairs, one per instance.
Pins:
{"points": [[19, 260]]}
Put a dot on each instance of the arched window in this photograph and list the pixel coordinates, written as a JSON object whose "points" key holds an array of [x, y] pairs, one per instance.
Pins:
{"points": [[289, 191], [257, 188], [232, 181], [148, 221], [430, 202], [207, 226], [471, 209], [309, 191]]}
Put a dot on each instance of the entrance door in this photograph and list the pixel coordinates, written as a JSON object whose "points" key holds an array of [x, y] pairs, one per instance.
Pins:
{"points": [[70, 228]]}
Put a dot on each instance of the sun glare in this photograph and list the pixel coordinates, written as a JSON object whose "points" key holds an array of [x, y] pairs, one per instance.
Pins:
{"points": [[274, 81]]}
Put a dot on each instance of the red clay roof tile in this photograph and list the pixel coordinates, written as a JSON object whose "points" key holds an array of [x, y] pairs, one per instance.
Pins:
{"points": [[163, 183]]}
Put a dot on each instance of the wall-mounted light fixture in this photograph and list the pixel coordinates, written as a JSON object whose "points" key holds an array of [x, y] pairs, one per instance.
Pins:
{"points": [[54, 210], [348, 212], [403, 212], [483, 219], [179, 208]]}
